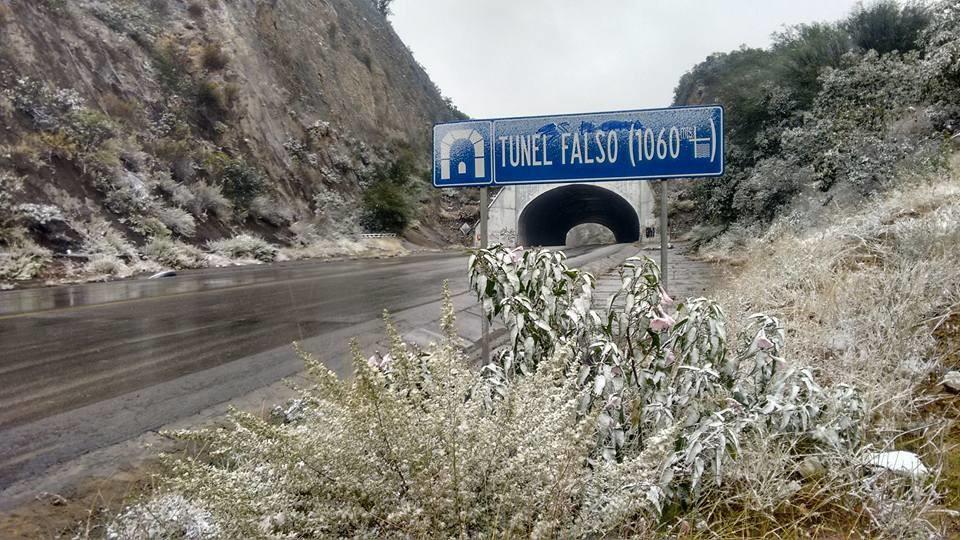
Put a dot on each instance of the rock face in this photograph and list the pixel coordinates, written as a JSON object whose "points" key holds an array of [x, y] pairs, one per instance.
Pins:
{"points": [[269, 102]]}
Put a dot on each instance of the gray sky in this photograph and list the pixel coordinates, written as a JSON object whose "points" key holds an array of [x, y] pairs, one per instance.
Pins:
{"points": [[524, 57]]}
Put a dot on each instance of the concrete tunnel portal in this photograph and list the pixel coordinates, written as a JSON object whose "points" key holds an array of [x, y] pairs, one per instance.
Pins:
{"points": [[546, 220]]}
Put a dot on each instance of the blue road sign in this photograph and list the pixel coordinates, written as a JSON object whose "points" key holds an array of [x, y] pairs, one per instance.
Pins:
{"points": [[679, 142]]}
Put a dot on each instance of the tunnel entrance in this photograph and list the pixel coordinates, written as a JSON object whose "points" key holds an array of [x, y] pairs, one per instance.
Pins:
{"points": [[547, 219]]}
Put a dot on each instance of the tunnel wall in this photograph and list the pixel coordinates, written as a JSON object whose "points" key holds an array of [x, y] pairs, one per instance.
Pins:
{"points": [[510, 202], [546, 220]]}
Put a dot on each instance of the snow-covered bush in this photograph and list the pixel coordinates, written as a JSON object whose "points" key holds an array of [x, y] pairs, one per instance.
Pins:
{"points": [[167, 516], [107, 266], [203, 200], [335, 213], [44, 105], [244, 246], [268, 209], [9, 185], [174, 254], [177, 220], [23, 260], [304, 234], [101, 238], [39, 214]]}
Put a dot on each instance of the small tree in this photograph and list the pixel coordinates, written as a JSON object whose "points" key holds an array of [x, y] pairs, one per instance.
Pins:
{"points": [[383, 6]]}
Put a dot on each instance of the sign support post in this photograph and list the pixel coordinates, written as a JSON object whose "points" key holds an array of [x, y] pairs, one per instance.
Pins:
{"points": [[664, 240], [484, 323]]}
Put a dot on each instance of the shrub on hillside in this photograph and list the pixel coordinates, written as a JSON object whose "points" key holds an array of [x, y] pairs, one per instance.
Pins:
{"points": [[177, 220], [10, 184], [174, 254], [214, 101], [107, 266], [812, 101], [203, 200], [244, 246], [23, 260], [886, 26], [43, 104], [240, 182], [335, 213], [387, 207], [268, 209], [213, 57]]}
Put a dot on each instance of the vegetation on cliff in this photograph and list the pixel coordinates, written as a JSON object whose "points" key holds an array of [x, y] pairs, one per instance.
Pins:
{"points": [[147, 132]]}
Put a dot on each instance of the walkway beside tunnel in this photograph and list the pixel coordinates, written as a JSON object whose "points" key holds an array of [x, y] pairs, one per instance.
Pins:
{"points": [[688, 277]]}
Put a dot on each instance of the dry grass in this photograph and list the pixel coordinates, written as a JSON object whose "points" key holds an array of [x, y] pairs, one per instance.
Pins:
{"points": [[870, 298], [213, 57], [346, 248]]}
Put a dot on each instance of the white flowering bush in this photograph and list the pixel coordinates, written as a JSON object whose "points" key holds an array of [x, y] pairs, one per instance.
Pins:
{"points": [[629, 420]]}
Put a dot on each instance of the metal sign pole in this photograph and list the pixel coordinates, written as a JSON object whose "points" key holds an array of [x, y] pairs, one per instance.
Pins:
{"points": [[484, 323], [664, 240]]}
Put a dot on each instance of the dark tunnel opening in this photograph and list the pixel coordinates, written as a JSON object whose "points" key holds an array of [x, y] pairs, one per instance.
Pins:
{"points": [[546, 220]]}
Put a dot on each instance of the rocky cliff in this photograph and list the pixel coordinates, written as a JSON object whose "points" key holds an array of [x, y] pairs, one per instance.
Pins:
{"points": [[149, 130]]}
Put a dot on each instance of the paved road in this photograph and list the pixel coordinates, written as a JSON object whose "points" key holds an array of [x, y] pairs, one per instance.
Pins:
{"points": [[83, 367]]}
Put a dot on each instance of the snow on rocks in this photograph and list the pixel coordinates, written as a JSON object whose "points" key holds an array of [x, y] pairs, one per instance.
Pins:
{"points": [[951, 381], [898, 462]]}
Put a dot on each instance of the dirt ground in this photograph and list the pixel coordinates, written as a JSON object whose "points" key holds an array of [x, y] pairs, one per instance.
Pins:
{"points": [[80, 509]]}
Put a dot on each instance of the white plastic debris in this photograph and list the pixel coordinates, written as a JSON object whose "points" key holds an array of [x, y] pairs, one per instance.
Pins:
{"points": [[951, 381], [899, 462], [165, 273]]}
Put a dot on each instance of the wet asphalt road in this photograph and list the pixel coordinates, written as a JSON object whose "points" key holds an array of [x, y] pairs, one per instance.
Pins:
{"points": [[85, 366]]}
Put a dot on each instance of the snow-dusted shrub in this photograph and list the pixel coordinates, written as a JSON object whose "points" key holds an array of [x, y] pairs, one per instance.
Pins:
{"points": [[39, 214], [107, 266], [9, 185], [167, 516], [22, 261], [126, 193], [174, 254], [336, 214], [177, 220], [244, 246], [44, 105], [304, 234], [267, 208], [204, 200], [101, 238]]}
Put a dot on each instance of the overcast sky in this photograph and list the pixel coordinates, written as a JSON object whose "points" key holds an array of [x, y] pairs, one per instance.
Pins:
{"points": [[524, 57]]}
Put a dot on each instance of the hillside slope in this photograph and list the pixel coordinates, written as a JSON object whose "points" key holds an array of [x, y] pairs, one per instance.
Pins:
{"points": [[134, 129]]}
